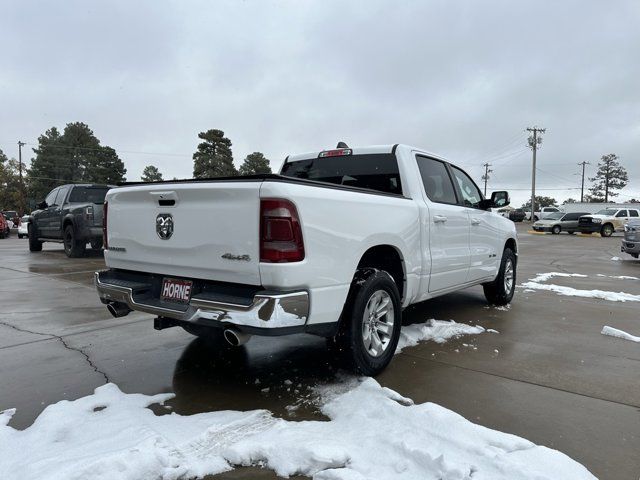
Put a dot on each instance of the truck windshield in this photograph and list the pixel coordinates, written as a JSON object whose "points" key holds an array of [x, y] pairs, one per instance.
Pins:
{"points": [[376, 171], [607, 211], [88, 194]]}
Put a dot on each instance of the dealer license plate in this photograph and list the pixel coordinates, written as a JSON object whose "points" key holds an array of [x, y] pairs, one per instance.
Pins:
{"points": [[176, 290]]}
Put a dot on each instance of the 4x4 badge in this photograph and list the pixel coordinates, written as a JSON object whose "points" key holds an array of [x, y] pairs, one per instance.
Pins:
{"points": [[164, 225]]}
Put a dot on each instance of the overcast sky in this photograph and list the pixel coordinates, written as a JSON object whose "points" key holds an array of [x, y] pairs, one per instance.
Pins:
{"points": [[461, 79]]}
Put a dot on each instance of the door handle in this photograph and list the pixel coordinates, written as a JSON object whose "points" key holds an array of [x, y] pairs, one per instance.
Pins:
{"points": [[439, 219], [475, 221]]}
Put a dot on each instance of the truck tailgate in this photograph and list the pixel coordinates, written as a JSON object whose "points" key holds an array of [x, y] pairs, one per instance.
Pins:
{"points": [[215, 230]]}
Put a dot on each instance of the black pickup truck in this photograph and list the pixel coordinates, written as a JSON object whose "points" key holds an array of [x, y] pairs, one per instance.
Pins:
{"points": [[72, 215]]}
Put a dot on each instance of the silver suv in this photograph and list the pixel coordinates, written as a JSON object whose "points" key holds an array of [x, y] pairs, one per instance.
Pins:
{"points": [[631, 240]]}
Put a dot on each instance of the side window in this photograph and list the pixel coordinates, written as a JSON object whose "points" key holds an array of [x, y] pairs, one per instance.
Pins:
{"points": [[621, 213], [471, 195], [62, 194], [51, 198], [633, 213], [436, 180], [570, 216]]}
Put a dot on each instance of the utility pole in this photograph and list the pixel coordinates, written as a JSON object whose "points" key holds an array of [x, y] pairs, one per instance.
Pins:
{"points": [[23, 200], [583, 163], [534, 141], [485, 177]]}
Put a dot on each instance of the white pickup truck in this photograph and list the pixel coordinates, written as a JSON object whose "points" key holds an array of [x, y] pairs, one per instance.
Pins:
{"points": [[335, 245]]}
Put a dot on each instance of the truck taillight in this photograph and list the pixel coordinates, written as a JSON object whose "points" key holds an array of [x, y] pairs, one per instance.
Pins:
{"points": [[105, 242], [280, 232]]}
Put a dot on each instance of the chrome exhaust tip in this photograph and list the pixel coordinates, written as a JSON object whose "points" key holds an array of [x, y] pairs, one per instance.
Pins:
{"points": [[235, 337], [118, 309]]}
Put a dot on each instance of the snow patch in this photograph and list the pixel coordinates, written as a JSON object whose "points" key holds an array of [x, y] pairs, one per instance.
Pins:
{"points": [[614, 332], [535, 284], [437, 330], [616, 259], [373, 433]]}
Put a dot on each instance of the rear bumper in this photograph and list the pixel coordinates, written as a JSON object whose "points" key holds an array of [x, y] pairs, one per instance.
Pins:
{"points": [[264, 312], [630, 247]]}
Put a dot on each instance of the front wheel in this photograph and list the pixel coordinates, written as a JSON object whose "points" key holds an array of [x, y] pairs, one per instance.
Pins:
{"points": [[556, 229], [501, 290], [606, 230], [370, 324], [72, 246]]}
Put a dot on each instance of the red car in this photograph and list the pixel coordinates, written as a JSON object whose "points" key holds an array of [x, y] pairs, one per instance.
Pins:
{"points": [[4, 227]]}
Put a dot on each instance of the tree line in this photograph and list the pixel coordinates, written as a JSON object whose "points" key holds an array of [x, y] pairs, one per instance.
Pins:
{"points": [[76, 155]]}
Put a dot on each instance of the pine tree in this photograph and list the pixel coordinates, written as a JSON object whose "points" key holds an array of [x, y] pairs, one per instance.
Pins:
{"points": [[609, 177], [107, 168], [75, 156], [255, 164], [151, 174], [49, 168], [213, 158]]}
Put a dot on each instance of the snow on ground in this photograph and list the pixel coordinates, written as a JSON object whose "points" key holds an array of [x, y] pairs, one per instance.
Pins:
{"points": [[373, 433], [536, 284], [616, 259], [614, 332], [437, 330]]}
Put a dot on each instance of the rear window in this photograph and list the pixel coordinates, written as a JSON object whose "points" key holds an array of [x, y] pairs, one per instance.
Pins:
{"points": [[376, 171], [88, 194]]}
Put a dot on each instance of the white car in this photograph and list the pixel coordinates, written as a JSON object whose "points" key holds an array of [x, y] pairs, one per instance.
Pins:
{"points": [[337, 245], [543, 213], [22, 227]]}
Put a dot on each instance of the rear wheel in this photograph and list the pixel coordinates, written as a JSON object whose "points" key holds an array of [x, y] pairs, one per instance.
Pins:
{"points": [[34, 244], [72, 246], [606, 230], [501, 290], [370, 324], [556, 229]]}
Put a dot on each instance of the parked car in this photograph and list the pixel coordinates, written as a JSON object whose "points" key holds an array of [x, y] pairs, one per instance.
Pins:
{"points": [[631, 240], [336, 245], [5, 231], [607, 220], [543, 213], [559, 222], [22, 227], [71, 215], [517, 215], [12, 216]]}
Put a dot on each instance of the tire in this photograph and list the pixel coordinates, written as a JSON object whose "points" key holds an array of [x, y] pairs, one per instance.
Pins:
{"points": [[73, 247], [96, 244], [20, 236], [34, 244], [556, 229], [7, 232], [367, 338], [501, 290], [571, 232], [606, 230], [535, 218]]}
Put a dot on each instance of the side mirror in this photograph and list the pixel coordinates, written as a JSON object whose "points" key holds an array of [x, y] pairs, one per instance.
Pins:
{"points": [[42, 205], [500, 199]]}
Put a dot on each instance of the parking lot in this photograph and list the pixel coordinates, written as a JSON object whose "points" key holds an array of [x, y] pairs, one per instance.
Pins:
{"points": [[548, 375]]}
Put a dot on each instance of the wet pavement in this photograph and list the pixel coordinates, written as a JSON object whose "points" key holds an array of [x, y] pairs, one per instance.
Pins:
{"points": [[548, 376]]}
